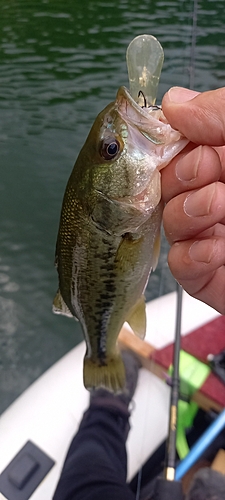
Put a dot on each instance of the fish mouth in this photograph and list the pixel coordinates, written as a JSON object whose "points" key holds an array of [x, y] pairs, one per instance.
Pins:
{"points": [[151, 138], [150, 121], [139, 117]]}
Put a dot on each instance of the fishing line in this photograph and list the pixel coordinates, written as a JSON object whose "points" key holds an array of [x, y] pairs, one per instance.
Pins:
{"points": [[193, 45], [170, 459], [191, 71], [138, 490]]}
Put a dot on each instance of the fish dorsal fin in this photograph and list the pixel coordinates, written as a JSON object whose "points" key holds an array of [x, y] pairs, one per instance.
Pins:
{"points": [[156, 251], [137, 318], [60, 307]]}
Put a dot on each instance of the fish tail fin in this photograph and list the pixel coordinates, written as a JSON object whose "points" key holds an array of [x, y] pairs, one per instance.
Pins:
{"points": [[110, 375]]}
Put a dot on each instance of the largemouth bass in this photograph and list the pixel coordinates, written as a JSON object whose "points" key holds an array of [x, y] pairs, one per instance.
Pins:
{"points": [[108, 239]]}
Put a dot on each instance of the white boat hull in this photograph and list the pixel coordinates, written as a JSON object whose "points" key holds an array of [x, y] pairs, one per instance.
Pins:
{"points": [[49, 412]]}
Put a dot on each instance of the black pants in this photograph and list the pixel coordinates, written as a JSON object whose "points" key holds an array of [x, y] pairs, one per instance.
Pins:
{"points": [[96, 464]]}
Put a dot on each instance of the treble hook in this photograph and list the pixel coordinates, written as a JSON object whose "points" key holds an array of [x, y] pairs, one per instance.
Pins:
{"points": [[154, 107], [140, 93]]}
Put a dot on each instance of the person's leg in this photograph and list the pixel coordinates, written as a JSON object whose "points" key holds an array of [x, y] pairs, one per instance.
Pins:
{"points": [[96, 463]]}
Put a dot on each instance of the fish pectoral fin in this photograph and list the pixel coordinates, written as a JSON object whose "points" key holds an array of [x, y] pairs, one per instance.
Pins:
{"points": [[137, 318], [60, 307], [110, 375]]}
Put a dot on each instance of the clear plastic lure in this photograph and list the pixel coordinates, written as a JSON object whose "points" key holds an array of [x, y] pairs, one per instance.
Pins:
{"points": [[144, 63]]}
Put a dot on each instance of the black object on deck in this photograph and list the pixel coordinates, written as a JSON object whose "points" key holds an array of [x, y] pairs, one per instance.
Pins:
{"points": [[25, 472]]}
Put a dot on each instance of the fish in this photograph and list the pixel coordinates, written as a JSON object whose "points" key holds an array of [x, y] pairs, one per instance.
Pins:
{"points": [[109, 232]]}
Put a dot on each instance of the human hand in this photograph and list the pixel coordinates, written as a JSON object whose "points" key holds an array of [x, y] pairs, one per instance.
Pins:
{"points": [[193, 187]]}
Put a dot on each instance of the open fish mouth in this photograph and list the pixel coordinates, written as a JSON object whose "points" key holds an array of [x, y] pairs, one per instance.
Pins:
{"points": [[152, 137], [150, 121]]}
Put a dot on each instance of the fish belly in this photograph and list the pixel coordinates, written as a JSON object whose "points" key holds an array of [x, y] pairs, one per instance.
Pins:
{"points": [[108, 283]]}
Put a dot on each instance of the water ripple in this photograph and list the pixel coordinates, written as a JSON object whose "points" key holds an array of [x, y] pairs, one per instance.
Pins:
{"points": [[60, 64]]}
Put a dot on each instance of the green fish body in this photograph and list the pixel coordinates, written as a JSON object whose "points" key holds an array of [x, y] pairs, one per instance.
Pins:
{"points": [[108, 239]]}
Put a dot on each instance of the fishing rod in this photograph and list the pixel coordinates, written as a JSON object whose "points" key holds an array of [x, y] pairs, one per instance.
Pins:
{"points": [[169, 486]]}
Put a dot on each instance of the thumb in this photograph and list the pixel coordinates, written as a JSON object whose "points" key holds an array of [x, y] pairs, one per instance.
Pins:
{"points": [[198, 116]]}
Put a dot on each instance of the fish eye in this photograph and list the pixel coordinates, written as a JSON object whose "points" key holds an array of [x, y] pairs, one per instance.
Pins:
{"points": [[109, 148]]}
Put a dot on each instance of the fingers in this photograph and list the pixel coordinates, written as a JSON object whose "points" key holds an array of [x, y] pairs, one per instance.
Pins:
{"points": [[198, 116], [189, 214], [193, 187], [191, 169], [199, 266]]}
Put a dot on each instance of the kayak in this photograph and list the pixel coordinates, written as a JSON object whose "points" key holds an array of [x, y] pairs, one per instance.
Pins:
{"points": [[49, 412]]}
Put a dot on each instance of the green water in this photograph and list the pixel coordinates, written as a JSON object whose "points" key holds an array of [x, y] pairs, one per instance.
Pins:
{"points": [[61, 62]]}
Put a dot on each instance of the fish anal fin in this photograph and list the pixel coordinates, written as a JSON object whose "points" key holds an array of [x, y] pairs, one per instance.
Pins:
{"points": [[60, 307], [137, 318], [110, 375]]}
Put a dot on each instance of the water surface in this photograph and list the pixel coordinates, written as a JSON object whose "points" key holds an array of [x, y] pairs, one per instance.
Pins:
{"points": [[60, 64]]}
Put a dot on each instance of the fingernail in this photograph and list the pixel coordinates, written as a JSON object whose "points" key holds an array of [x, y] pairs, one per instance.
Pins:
{"points": [[187, 166], [202, 250], [179, 95], [198, 204]]}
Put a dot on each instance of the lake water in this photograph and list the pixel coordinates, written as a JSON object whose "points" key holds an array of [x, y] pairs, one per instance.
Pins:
{"points": [[60, 64]]}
